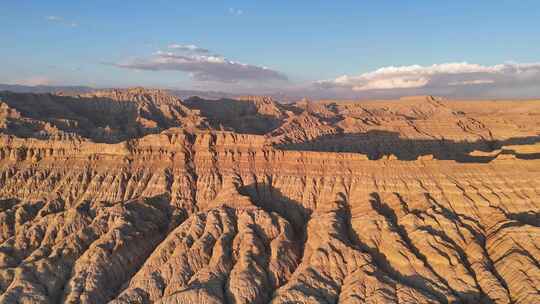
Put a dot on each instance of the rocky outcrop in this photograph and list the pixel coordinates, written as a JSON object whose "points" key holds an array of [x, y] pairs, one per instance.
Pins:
{"points": [[102, 116], [408, 128]]}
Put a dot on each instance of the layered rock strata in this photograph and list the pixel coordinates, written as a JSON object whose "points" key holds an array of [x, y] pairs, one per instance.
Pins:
{"points": [[218, 217]]}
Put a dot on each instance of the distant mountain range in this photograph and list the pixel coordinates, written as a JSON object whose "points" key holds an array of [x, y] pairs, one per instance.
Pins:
{"points": [[74, 90], [45, 89]]}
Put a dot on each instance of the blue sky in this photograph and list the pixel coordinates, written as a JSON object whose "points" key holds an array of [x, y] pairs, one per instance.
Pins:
{"points": [[310, 45]]}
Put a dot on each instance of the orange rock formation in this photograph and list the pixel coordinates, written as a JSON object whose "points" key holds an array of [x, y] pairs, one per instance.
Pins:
{"points": [[133, 196]]}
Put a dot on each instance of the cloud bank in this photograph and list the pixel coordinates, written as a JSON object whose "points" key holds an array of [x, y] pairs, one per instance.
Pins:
{"points": [[441, 78], [202, 66]]}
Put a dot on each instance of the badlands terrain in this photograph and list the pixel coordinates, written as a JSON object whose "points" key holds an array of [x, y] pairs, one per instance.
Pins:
{"points": [[136, 196]]}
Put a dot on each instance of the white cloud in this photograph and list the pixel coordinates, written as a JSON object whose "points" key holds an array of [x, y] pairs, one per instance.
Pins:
{"points": [[34, 81], [202, 67], [187, 47], [235, 11], [471, 82], [439, 77], [61, 20]]}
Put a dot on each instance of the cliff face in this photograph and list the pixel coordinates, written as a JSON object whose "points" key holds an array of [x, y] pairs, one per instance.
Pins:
{"points": [[249, 115], [202, 216]]}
